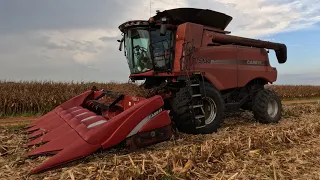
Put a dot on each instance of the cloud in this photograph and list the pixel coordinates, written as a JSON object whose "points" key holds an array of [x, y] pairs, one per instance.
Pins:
{"points": [[82, 45], [265, 17], [62, 55], [76, 40], [62, 37], [21, 16]]}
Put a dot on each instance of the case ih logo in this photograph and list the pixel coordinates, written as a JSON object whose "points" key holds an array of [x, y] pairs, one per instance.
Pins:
{"points": [[255, 62], [211, 61], [155, 113], [239, 62]]}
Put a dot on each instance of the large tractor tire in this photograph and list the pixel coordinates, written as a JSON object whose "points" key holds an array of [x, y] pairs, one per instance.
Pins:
{"points": [[213, 105], [267, 107], [254, 89]]}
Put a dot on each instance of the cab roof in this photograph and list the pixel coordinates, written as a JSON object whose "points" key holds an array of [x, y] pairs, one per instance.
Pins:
{"points": [[204, 17]]}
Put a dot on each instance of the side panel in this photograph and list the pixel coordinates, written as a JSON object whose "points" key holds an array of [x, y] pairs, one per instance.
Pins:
{"points": [[120, 131], [160, 120], [254, 63], [180, 35], [225, 66], [219, 64], [186, 33]]}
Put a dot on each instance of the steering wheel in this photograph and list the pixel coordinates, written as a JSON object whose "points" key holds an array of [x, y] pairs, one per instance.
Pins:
{"points": [[139, 50], [143, 59]]}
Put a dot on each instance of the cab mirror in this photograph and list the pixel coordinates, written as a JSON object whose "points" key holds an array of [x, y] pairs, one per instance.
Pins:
{"points": [[163, 30], [120, 41]]}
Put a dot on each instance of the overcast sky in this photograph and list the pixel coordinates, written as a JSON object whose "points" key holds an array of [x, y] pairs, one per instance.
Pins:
{"points": [[76, 39]]}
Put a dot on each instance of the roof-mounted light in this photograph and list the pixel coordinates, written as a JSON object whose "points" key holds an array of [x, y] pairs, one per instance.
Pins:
{"points": [[151, 20], [134, 23]]}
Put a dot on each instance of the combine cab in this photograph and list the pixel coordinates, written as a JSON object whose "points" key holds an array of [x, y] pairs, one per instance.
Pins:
{"points": [[195, 72]]}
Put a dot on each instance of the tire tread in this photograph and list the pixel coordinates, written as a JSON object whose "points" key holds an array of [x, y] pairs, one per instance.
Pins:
{"points": [[260, 106]]}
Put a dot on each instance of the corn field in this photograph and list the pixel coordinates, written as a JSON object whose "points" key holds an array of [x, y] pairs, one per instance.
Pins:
{"points": [[29, 97], [41, 97], [296, 91]]}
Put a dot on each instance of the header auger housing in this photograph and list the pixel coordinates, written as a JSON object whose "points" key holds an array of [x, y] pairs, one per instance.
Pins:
{"points": [[195, 72]]}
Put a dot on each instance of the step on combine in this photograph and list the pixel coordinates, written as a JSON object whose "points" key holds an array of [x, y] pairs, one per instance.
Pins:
{"points": [[195, 72]]}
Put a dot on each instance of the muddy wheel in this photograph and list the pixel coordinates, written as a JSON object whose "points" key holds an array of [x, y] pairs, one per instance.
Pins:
{"points": [[267, 107], [213, 108]]}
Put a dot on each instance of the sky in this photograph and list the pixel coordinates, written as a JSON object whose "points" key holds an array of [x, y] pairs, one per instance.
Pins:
{"points": [[76, 40]]}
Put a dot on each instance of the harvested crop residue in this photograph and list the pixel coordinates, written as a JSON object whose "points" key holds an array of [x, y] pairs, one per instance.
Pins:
{"points": [[242, 149]]}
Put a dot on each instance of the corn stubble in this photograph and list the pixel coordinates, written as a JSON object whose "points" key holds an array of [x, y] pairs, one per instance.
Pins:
{"points": [[28, 97], [242, 149]]}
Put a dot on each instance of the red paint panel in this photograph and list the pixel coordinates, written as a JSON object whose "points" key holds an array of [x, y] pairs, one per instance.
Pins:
{"points": [[74, 122], [104, 131], [180, 37], [42, 118], [140, 112], [97, 93], [161, 120], [36, 133], [222, 75], [82, 130], [43, 121], [50, 123], [56, 144], [60, 131], [63, 132], [193, 34], [75, 101], [186, 33], [246, 73], [130, 101], [72, 147]]}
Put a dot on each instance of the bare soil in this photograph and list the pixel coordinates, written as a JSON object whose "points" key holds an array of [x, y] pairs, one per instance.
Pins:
{"points": [[301, 101], [17, 120]]}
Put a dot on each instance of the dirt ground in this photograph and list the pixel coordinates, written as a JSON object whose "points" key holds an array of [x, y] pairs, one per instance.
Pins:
{"points": [[301, 101], [17, 120]]}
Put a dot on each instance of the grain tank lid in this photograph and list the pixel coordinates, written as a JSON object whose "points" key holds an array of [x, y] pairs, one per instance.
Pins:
{"points": [[205, 17]]}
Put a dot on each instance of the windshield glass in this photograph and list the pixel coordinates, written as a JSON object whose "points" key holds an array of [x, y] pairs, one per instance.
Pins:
{"points": [[161, 49], [139, 46], [137, 50]]}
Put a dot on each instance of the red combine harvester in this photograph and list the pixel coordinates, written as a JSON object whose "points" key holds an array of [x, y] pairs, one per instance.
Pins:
{"points": [[195, 72]]}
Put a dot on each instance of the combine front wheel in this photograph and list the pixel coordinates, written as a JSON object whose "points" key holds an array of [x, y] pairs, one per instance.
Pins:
{"points": [[213, 107]]}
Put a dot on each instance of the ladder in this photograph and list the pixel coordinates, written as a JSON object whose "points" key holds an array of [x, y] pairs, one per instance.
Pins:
{"points": [[193, 83]]}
